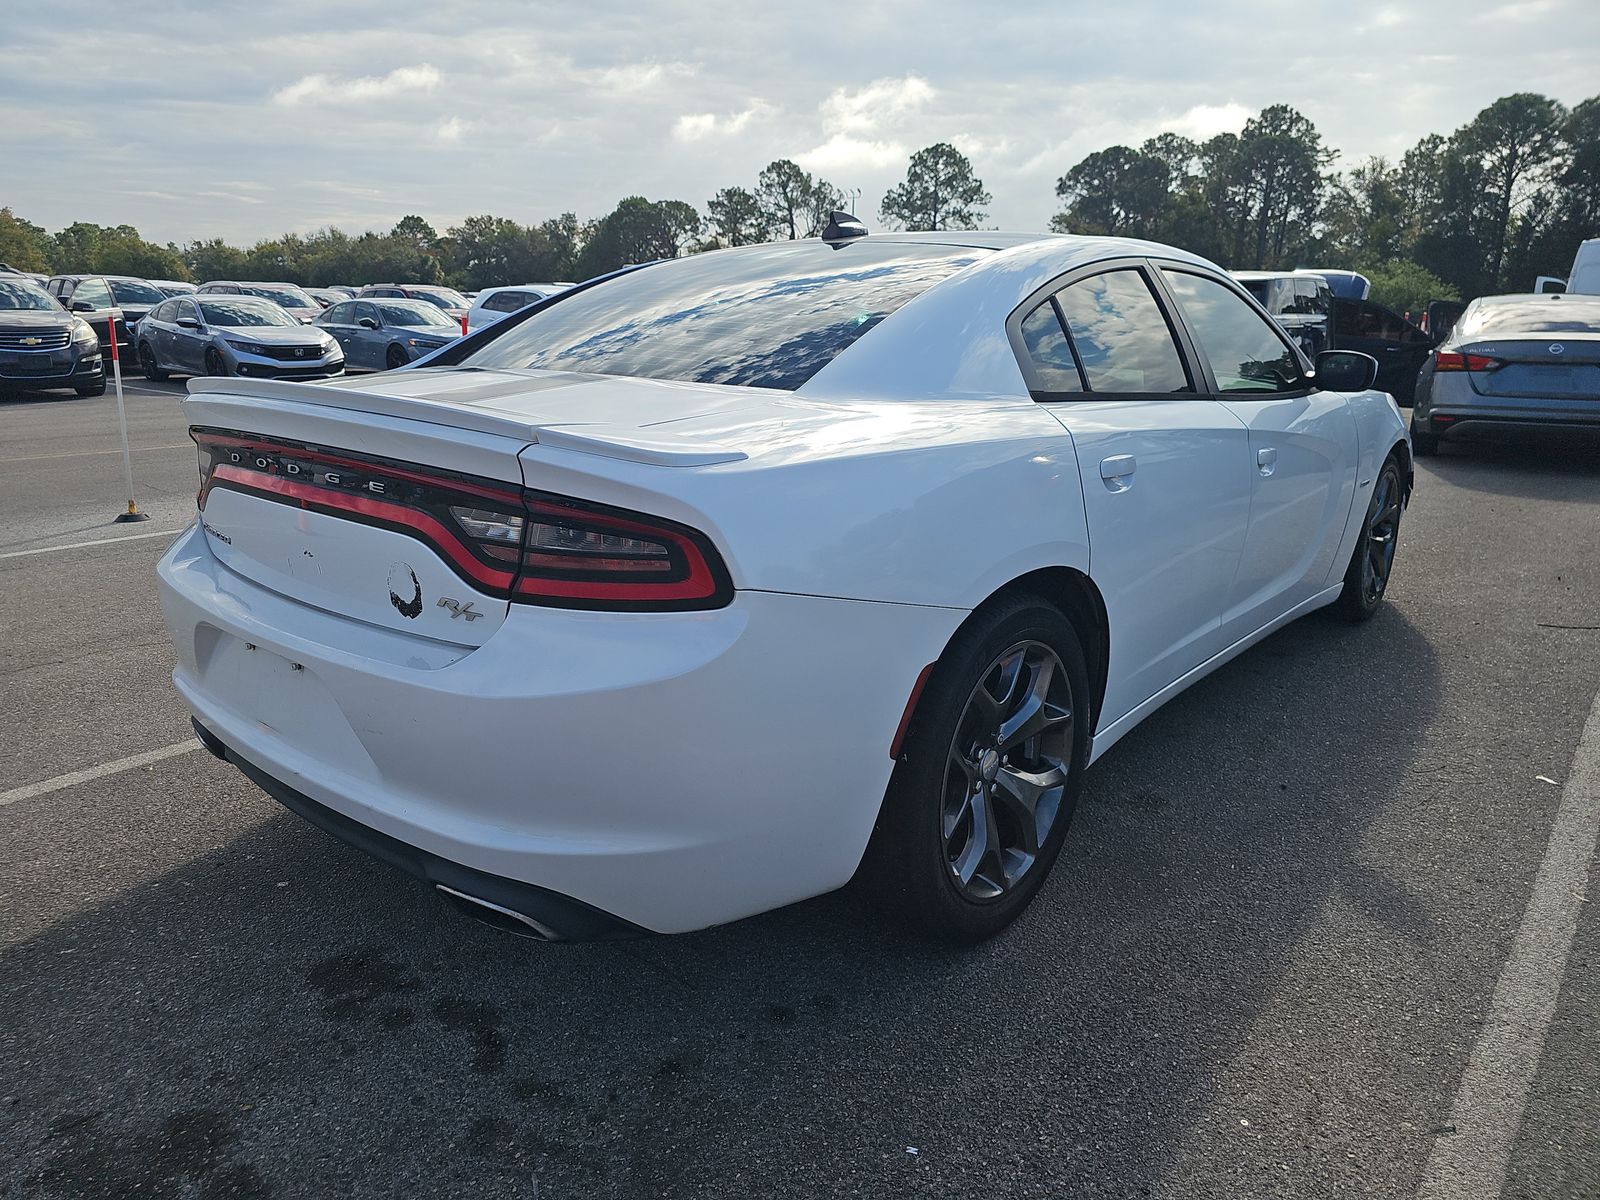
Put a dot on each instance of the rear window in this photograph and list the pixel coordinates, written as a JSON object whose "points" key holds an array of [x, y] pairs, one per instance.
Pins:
{"points": [[758, 316], [1541, 315], [135, 291]]}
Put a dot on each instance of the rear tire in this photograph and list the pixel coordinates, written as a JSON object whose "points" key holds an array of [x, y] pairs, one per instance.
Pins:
{"points": [[1366, 579], [396, 357], [978, 808], [147, 360]]}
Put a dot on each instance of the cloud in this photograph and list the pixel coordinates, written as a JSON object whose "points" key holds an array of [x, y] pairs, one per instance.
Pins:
{"points": [[319, 89], [451, 129], [842, 153], [638, 77], [694, 127], [1207, 120], [884, 101]]}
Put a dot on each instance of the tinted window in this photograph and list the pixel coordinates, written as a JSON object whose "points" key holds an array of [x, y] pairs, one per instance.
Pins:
{"points": [[340, 314], [366, 312], [761, 316], [92, 291], [1120, 334], [507, 301], [1245, 353], [135, 291], [1054, 368], [162, 312]]}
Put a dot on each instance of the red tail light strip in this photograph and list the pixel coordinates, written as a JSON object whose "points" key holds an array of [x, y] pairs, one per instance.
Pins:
{"points": [[409, 520], [536, 574], [1451, 360]]}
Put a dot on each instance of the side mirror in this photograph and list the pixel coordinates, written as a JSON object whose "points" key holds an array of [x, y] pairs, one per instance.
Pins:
{"points": [[82, 306], [367, 323], [1345, 371], [187, 323]]}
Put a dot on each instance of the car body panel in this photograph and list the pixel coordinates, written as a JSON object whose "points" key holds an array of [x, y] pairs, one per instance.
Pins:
{"points": [[861, 518]]}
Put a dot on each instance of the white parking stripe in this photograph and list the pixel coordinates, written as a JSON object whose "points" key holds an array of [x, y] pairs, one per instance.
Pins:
{"points": [[127, 537], [1470, 1164], [46, 786]]}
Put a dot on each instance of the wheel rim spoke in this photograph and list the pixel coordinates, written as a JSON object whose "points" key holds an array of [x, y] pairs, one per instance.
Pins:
{"points": [[1008, 770]]}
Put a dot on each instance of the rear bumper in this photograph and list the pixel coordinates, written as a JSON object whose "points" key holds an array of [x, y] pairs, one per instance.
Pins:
{"points": [[1485, 421], [670, 771]]}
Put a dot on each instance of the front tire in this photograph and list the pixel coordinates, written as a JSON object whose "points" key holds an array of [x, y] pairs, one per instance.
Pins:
{"points": [[989, 777], [396, 358], [214, 363], [1366, 579]]}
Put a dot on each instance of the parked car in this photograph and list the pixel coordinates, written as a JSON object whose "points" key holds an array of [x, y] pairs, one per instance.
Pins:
{"points": [[30, 276], [678, 599], [493, 303], [1584, 277], [1302, 304], [1512, 365], [43, 346], [1399, 346], [450, 301], [290, 297], [325, 297], [107, 301], [172, 287], [384, 334], [343, 289], [212, 334]]}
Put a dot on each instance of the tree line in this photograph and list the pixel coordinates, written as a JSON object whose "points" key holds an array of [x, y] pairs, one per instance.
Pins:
{"points": [[1487, 208]]}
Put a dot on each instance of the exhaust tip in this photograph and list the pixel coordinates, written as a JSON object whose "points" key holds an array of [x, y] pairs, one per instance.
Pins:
{"points": [[507, 920]]}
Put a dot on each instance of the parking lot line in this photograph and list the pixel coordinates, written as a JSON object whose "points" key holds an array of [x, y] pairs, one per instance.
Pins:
{"points": [[127, 537], [1471, 1162], [73, 779], [92, 453]]}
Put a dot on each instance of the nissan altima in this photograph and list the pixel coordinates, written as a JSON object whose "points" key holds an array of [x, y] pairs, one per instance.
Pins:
{"points": [[714, 583]]}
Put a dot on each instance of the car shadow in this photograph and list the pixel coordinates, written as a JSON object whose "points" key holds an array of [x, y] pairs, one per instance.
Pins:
{"points": [[284, 1016], [1530, 468]]}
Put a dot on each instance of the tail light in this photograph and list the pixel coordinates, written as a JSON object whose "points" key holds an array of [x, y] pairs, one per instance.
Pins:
{"points": [[1450, 360], [520, 544]]}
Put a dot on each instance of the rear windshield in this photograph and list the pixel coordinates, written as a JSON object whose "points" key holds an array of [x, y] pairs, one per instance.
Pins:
{"points": [[1541, 315], [287, 297], [760, 316], [443, 297]]}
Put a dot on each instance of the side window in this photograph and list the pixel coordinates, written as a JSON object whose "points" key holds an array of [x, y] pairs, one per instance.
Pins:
{"points": [[163, 312], [1246, 354], [94, 291], [1054, 368], [368, 311], [340, 314], [1124, 344]]}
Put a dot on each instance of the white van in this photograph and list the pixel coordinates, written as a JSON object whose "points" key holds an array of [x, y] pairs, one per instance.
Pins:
{"points": [[1585, 276]]}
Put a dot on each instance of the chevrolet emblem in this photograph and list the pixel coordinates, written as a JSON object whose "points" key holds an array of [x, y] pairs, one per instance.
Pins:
{"points": [[31, 341]]}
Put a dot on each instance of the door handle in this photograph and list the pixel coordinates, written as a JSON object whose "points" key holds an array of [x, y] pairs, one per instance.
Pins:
{"points": [[1117, 471], [1266, 460]]}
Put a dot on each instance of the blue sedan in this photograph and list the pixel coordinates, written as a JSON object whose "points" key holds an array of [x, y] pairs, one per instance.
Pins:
{"points": [[382, 334]]}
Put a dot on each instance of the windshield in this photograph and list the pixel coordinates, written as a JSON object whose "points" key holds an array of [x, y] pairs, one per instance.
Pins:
{"points": [[1534, 315], [288, 297], [413, 313], [760, 316], [14, 293], [134, 291], [235, 314], [442, 296]]}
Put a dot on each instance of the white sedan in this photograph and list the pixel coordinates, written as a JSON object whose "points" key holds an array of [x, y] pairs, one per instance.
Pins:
{"points": [[714, 582]]}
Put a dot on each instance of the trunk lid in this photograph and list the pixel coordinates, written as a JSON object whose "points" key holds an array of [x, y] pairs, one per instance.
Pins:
{"points": [[1562, 366], [308, 480]]}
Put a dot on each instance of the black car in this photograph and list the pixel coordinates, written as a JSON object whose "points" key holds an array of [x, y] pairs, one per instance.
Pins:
{"points": [[1399, 346], [43, 346], [99, 299]]}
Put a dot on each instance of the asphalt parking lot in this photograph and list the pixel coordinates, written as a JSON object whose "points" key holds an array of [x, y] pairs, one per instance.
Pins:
{"points": [[1264, 966]]}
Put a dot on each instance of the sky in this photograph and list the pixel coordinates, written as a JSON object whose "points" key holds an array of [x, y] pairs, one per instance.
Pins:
{"points": [[243, 121]]}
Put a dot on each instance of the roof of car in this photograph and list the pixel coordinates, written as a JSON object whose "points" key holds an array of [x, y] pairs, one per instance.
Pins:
{"points": [[1268, 274]]}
